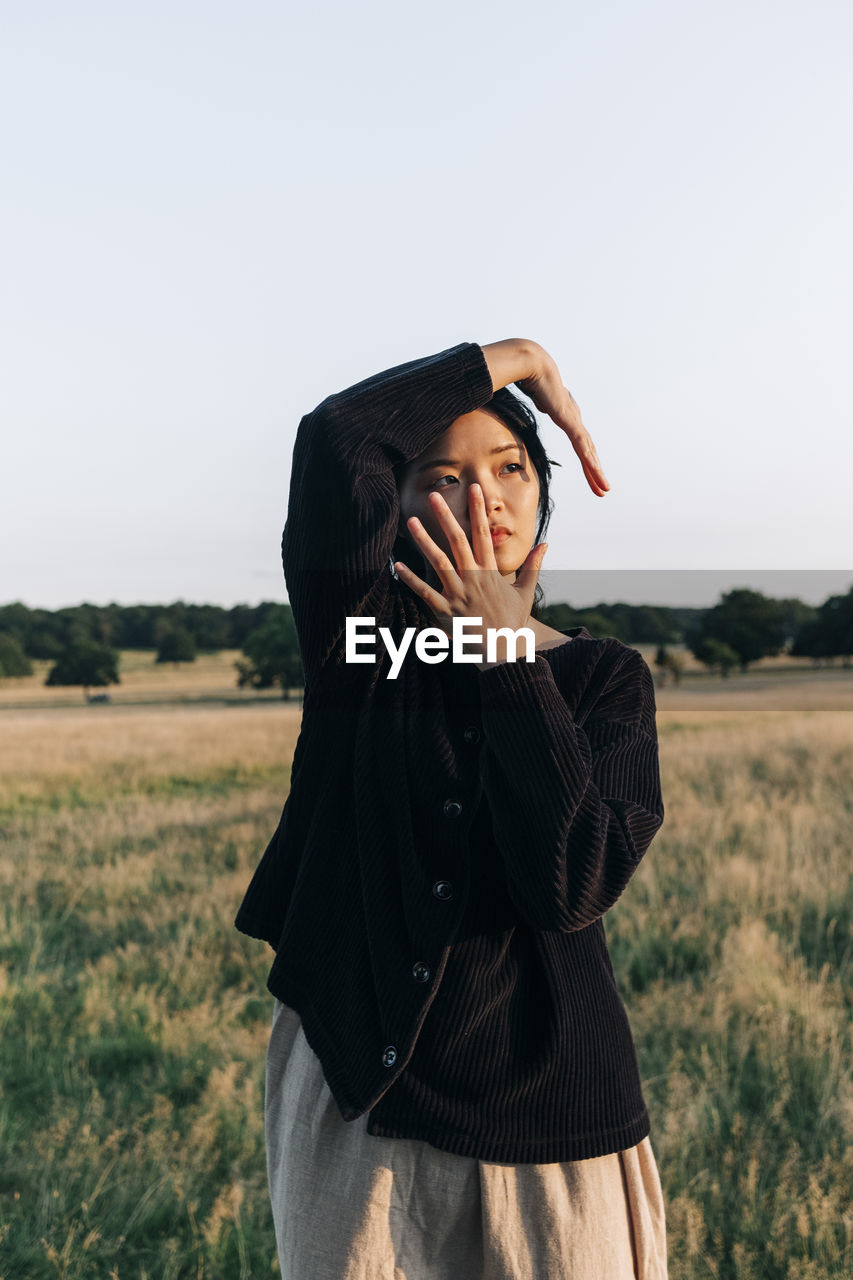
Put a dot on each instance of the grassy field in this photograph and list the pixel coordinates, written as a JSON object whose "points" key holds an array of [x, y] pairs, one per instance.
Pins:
{"points": [[781, 683], [212, 677], [134, 1017]]}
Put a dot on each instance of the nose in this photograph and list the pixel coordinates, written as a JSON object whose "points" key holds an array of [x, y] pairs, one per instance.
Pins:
{"points": [[491, 500]]}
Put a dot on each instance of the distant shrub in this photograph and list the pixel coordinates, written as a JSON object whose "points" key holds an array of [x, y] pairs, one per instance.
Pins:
{"points": [[176, 645], [87, 664], [13, 660]]}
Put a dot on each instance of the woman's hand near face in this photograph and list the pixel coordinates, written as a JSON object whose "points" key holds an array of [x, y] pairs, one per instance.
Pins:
{"points": [[534, 372], [474, 587]]}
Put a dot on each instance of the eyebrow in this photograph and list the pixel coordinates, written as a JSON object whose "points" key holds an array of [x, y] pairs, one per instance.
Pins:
{"points": [[454, 462]]}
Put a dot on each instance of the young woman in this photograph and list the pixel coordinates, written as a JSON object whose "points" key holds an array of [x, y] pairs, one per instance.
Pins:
{"points": [[452, 1088]]}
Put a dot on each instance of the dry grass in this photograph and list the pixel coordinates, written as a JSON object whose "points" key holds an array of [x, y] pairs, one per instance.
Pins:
{"points": [[765, 689], [773, 684], [134, 1017], [212, 675], [77, 740]]}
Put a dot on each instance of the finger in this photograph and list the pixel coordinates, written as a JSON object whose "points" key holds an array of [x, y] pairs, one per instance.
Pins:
{"points": [[437, 557], [528, 574], [596, 479], [434, 599], [593, 470], [456, 536], [481, 538], [597, 482]]}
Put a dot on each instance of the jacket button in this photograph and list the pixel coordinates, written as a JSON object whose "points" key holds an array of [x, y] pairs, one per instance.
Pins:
{"points": [[452, 808], [389, 1057], [472, 734], [420, 972], [443, 889]]}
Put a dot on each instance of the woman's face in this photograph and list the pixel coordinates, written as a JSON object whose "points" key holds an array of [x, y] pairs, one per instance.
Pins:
{"points": [[478, 447]]}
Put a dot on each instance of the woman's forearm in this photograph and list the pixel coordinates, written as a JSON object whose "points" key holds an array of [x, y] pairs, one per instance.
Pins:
{"points": [[512, 360]]}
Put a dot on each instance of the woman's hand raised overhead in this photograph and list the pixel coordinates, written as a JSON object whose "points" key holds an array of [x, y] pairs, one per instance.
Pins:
{"points": [[534, 372]]}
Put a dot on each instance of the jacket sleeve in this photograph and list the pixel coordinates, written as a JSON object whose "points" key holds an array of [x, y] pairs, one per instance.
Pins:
{"points": [[343, 509], [573, 810]]}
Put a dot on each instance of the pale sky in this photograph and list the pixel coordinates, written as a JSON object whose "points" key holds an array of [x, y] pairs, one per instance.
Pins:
{"points": [[214, 215]]}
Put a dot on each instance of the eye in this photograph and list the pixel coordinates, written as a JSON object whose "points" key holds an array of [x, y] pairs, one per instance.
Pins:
{"points": [[438, 483]]}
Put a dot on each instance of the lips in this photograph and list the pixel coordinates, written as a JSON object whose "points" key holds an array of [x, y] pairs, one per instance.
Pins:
{"points": [[499, 533]]}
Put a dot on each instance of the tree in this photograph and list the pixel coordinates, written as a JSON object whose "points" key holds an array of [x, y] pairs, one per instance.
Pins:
{"points": [[87, 664], [747, 623], [716, 653], [829, 633], [639, 623], [176, 645], [272, 654], [15, 621], [13, 660], [44, 642], [668, 662], [37, 631], [795, 614], [136, 627], [634, 624], [599, 622], [243, 619], [209, 626], [560, 616]]}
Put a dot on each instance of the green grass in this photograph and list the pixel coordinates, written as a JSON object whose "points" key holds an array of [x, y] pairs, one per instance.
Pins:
{"points": [[118, 781], [134, 1017]]}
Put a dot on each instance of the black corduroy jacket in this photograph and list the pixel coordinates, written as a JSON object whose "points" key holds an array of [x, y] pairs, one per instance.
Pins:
{"points": [[367, 880]]}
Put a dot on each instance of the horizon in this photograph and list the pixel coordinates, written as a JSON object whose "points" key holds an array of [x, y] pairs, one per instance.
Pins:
{"points": [[811, 587]]}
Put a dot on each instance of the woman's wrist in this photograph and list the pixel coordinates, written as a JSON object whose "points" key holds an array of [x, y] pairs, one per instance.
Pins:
{"points": [[512, 360]]}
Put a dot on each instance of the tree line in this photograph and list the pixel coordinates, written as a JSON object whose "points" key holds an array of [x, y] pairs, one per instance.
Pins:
{"points": [[45, 633], [83, 641]]}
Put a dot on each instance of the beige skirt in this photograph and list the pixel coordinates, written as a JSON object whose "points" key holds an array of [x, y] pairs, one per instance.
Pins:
{"points": [[348, 1205]]}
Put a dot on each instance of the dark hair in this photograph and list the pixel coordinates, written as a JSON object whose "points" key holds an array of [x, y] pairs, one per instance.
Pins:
{"points": [[517, 415]]}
